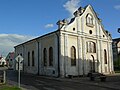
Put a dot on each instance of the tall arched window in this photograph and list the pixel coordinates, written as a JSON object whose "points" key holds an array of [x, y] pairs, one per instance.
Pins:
{"points": [[73, 56], [33, 58], [105, 56], [45, 56], [50, 56], [89, 20], [91, 47], [28, 58]]}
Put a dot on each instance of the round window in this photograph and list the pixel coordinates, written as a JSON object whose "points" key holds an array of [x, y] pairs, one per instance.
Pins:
{"points": [[73, 29], [90, 31]]}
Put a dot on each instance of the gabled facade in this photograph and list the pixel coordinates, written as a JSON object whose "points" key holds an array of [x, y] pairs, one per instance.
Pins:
{"points": [[2, 61], [76, 48], [10, 60]]}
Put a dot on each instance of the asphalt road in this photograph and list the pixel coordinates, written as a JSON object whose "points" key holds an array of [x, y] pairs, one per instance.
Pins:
{"points": [[33, 82]]}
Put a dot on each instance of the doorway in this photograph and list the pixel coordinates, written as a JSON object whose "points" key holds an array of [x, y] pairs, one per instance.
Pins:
{"points": [[92, 64]]}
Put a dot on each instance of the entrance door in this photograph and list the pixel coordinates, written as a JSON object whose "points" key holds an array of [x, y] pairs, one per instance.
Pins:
{"points": [[92, 64]]}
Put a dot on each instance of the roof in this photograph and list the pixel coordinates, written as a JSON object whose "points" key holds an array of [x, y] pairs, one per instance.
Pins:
{"points": [[36, 38], [116, 39]]}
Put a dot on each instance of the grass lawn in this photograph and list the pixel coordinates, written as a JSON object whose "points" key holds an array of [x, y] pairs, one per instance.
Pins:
{"points": [[6, 87], [117, 71]]}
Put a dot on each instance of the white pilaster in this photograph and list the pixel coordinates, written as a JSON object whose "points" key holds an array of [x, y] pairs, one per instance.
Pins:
{"points": [[61, 50], [40, 59], [111, 61], [101, 58], [84, 55], [80, 64], [55, 63], [108, 58], [98, 56], [66, 54]]}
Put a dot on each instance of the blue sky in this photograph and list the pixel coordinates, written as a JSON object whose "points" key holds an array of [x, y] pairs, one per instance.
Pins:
{"points": [[37, 17]]}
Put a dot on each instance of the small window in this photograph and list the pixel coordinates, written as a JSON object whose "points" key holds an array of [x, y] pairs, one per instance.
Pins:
{"points": [[90, 31], [21, 54], [73, 29], [103, 35]]}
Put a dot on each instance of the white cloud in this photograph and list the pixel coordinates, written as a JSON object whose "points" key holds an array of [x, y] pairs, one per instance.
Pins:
{"points": [[117, 7], [71, 6], [8, 41], [49, 26]]}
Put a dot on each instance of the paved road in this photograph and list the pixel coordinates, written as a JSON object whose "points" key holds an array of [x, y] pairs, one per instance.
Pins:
{"points": [[32, 82]]}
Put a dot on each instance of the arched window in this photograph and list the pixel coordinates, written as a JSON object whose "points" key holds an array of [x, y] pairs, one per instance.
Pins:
{"points": [[33, 58], [45, 56], [89, 20], [105, 56], [50, 56], [91, 47], [73, 56], [20, 54], [28, 58]]}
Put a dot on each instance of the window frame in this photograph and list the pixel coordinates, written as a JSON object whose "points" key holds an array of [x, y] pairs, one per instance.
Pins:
{"points": [[91, 47], [89, 20]]}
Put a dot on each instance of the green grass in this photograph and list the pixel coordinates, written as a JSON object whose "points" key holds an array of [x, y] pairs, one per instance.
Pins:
{"points": [[5, 87], [117, 71]]}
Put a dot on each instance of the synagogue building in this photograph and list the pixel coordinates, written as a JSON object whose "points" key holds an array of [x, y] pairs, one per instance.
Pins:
{"points": [[75, 48]]}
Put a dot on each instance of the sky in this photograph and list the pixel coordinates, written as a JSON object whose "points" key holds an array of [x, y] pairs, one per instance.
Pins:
{"points": [[21, 20]]}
